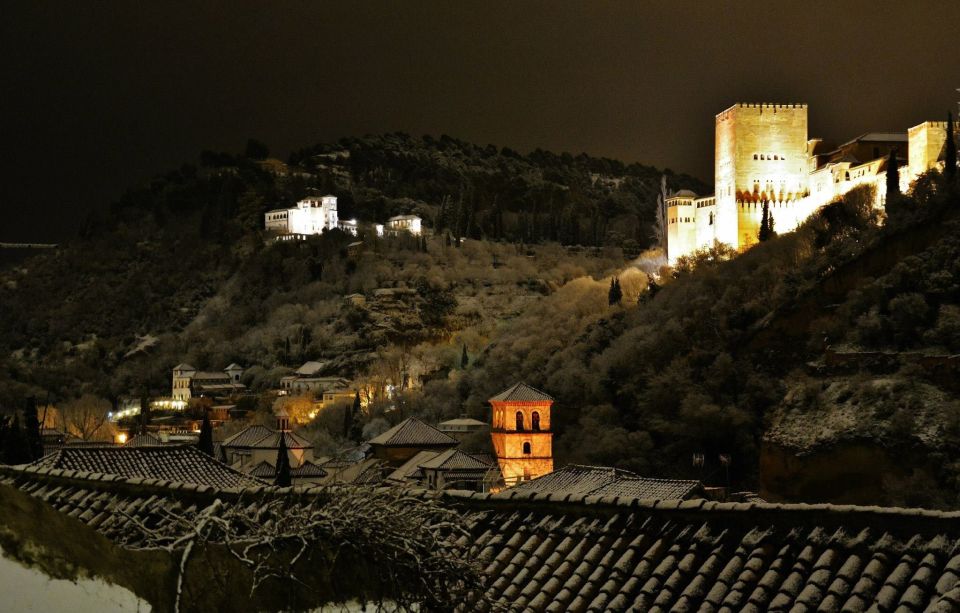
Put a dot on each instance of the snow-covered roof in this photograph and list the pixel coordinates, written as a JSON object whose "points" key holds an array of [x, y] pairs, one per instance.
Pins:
{"points": [[521, 392], [463, 422], [605, 481], [262, 437], [310, 368], [412, 432], [180, 463], [184, 366], [143, 440], [606, 553], [454, 459]]}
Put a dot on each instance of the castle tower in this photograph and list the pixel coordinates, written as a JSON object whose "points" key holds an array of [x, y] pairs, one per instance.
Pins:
{"points": [[761, 155], [521, 434]]}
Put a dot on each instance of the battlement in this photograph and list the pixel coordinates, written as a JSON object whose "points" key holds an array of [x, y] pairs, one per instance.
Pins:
{"points": [[762, 106]]}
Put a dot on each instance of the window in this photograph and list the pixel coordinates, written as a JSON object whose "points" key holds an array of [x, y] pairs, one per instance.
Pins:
{"points": [[520, 421], [535, 421], [526, 449], [754, 156]]}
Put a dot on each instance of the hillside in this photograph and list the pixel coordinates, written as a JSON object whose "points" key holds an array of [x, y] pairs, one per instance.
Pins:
{"points": [[178, 268]]}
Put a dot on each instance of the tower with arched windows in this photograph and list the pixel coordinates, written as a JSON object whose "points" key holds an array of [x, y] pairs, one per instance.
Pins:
{"points": [[521, 433]]}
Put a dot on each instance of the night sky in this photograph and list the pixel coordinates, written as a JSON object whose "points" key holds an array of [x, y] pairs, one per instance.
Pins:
{"points": [[96, 99]]}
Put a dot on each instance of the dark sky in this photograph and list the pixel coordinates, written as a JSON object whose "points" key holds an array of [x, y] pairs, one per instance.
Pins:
{"points": [[98, 96]]}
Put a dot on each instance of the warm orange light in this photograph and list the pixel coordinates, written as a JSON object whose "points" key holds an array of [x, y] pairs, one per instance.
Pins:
{"points": [[121, 438]]}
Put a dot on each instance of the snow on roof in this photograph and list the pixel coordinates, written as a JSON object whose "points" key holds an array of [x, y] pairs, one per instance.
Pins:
{"points": [[454, 459], [143, 440], [521, 392], [463, 422], [404, 218], [184, 366], [412, 432], [599, 553], [310, 368], [180, 463], [234, 366], [410, 470], [605, 481]]}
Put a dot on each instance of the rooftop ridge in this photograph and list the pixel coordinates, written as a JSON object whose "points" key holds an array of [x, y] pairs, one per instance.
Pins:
{"points": [[930, 518]]}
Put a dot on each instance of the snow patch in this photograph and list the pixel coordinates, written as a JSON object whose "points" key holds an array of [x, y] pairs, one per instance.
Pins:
{"points": [[30, 589]]}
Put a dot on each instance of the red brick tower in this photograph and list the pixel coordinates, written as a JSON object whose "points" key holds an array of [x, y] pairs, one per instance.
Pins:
{"points": [[521, 433]]}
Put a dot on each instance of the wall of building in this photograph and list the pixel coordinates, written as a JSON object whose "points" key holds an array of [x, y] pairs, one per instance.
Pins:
{"points": [[761, 153], [926, 142]]}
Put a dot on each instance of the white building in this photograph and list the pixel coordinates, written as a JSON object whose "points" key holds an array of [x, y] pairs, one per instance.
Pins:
{"points": [[188, 382], [405, 223], [312, 215]]}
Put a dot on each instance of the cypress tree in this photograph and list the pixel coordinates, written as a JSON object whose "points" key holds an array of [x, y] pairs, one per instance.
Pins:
{"points": [[893, 175], [764, 233], [615, 295], [950, 157], [31, 430], [464, 359], [205, 444], [356, 427], [283, 463]]}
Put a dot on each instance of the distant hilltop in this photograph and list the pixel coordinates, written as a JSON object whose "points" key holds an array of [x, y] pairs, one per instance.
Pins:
{"points": [[28, 245]]}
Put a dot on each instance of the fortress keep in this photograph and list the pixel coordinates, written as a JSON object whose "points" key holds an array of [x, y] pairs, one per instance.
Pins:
{"points": [[763, 155]]}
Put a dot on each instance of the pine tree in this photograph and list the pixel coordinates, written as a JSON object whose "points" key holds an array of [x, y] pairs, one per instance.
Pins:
{"points": [[283, 463], [764, 233], [464, 359], [205, 443], [31, 430], [950, 157]]}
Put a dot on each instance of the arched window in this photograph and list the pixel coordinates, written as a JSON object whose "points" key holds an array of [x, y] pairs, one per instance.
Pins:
{"points": [[526, 449], [535, 421], [520, 420]]}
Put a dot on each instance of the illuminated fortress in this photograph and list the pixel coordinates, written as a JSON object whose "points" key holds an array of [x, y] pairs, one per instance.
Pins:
{"points": [[763, 155]]}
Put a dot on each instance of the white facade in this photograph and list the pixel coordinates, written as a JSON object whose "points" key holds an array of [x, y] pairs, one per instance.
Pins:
{"points": [[312, 215], [405, 223]]}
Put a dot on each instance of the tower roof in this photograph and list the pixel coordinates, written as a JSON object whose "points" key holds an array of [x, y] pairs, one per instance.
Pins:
{"points": [[521, 392]]}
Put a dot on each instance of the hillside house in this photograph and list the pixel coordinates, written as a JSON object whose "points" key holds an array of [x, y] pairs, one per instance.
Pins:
{"points": [[408, 438], [257, 444], [405, 223], [188, 382]]}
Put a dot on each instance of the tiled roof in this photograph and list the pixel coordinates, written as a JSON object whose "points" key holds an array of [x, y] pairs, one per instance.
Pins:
{"points": [[366, 472], [143, 440], [603, 481], [454, 459], [521, 392], [586, 553], [292, 440], [262, 437], [307, 470], [464, 422], [264, 470], [412, 432], [181, 463], [183, 366], [410, 470]]}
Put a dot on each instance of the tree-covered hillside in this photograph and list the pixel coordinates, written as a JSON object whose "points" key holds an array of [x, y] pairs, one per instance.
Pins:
{"points": [[103, 312]]}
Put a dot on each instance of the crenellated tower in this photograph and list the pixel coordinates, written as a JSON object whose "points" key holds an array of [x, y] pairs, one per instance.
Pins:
{"points": [[522, 439], [761, 156]]}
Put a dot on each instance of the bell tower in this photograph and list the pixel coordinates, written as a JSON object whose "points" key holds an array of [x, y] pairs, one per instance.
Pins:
{"points": [[522, 439]]}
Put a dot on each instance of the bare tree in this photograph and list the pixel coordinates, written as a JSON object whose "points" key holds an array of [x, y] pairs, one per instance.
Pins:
{"points": [[86, 417]]}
